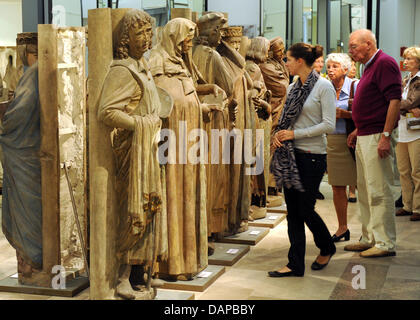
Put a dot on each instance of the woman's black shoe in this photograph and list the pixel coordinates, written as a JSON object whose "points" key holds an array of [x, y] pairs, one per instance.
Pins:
{"points": [[317, 266], [345, 235], [319, 196], [276, 274]]}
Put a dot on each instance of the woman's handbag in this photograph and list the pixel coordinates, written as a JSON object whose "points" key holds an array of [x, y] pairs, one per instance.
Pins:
{"points": [[350, 126]]}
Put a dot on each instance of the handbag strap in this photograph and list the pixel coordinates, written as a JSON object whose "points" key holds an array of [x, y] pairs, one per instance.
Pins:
{"points": [[351, 92]]}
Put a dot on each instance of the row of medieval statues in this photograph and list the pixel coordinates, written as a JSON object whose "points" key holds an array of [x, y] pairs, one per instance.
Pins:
{"points": [[170, 214]]}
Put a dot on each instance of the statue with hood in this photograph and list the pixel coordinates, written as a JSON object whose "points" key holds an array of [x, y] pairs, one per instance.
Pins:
{"points": [[130, 103], [175, 72]]}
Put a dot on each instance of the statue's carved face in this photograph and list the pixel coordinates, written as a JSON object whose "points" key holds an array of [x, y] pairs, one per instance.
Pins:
{"points": [[140, 37], [215, 37], [234, 42], [187, 44], [278, 52]]}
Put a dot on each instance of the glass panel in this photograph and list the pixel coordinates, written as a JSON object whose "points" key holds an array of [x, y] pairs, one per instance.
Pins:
{"points": [[274, 18], [353, 17], [374, 13], [314, 22], [307, 21], [66, 13], [134, 4], [87, 5], [335, 23]]}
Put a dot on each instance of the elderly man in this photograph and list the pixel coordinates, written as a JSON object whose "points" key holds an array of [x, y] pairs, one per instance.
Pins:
{"points": [[375, 112]]}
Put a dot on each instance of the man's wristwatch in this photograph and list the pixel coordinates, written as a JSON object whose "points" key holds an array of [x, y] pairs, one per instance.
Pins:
{"points": [[386, 134]]}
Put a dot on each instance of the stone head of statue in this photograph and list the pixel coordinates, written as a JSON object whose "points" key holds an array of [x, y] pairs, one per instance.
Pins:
{"points": [[233, 36], [258, 50], [210, 26], [27, 47], [277, 48], [134, 36]]}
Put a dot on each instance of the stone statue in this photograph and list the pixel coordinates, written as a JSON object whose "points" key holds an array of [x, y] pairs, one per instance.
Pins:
{"points": [[276, 77], [214, 71], [20, 142], [11, 77], [239, 193], [258, 53], [130, 104], [174, 71]]}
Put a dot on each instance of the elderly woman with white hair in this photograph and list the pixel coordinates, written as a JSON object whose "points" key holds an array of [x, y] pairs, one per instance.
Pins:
{"points": [[341, 162]]}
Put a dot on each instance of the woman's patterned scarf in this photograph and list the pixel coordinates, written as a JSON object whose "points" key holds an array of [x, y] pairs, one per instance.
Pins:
{"points": [[283, 165]]}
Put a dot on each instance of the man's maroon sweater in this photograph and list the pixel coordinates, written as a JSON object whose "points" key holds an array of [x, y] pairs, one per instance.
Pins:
{"points": [[380, 83]]}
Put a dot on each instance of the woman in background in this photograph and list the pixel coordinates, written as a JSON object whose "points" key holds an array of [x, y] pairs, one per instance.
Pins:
{"points": [[340, 162]]}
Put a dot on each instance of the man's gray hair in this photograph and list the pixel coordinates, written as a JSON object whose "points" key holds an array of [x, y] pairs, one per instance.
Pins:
{"points": [[342, 58]]}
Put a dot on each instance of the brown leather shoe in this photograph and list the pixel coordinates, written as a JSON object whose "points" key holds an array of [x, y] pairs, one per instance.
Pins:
{"points": [[415, 217], [357, 247], [377, 253], [401, 212]]}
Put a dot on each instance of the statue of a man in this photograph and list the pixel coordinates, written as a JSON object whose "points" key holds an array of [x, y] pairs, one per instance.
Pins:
{"points": [[20, 142], [131, 105], [211, 66]]}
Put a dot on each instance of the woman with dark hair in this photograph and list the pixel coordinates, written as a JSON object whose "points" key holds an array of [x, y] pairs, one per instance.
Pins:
{"points": [[299, 159]]}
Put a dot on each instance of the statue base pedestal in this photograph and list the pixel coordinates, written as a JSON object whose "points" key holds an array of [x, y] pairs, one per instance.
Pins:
{"points": [[73, 287], [198, 284], [271, 221], [281, 209], [163, 295], [250, 237], [227, 254]]}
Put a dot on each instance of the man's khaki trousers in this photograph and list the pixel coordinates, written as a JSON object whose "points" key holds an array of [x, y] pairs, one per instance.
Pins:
{"points": [[376, 202]]}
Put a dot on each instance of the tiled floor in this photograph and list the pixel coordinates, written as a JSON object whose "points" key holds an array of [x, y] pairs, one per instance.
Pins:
{"points": [[386, 278]]}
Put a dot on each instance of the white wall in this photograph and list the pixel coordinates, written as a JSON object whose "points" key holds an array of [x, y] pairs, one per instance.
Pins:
{"points": [[397, 25], [241, 12], [10, 21], [417, 24]]}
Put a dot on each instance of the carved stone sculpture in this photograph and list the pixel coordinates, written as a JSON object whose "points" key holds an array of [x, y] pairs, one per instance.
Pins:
{"points": [[214, 71], [276, 77], [20, 142], [239, 193], [260, 99], [173, 70], [131, 105]]}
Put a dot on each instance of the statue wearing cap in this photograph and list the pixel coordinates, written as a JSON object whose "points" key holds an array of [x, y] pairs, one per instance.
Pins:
{"points": [[132, 105], [240, 183], [20, 141]]}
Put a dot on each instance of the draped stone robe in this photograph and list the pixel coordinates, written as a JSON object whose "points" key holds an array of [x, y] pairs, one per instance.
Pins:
{"points": [[240, 192], [213, 70], [276, 78], [129, 92], [20, 142], [260, 183], [185, 181]]}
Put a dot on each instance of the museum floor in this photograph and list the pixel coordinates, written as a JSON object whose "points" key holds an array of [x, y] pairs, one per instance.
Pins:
{"points": [[386, 278]]}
